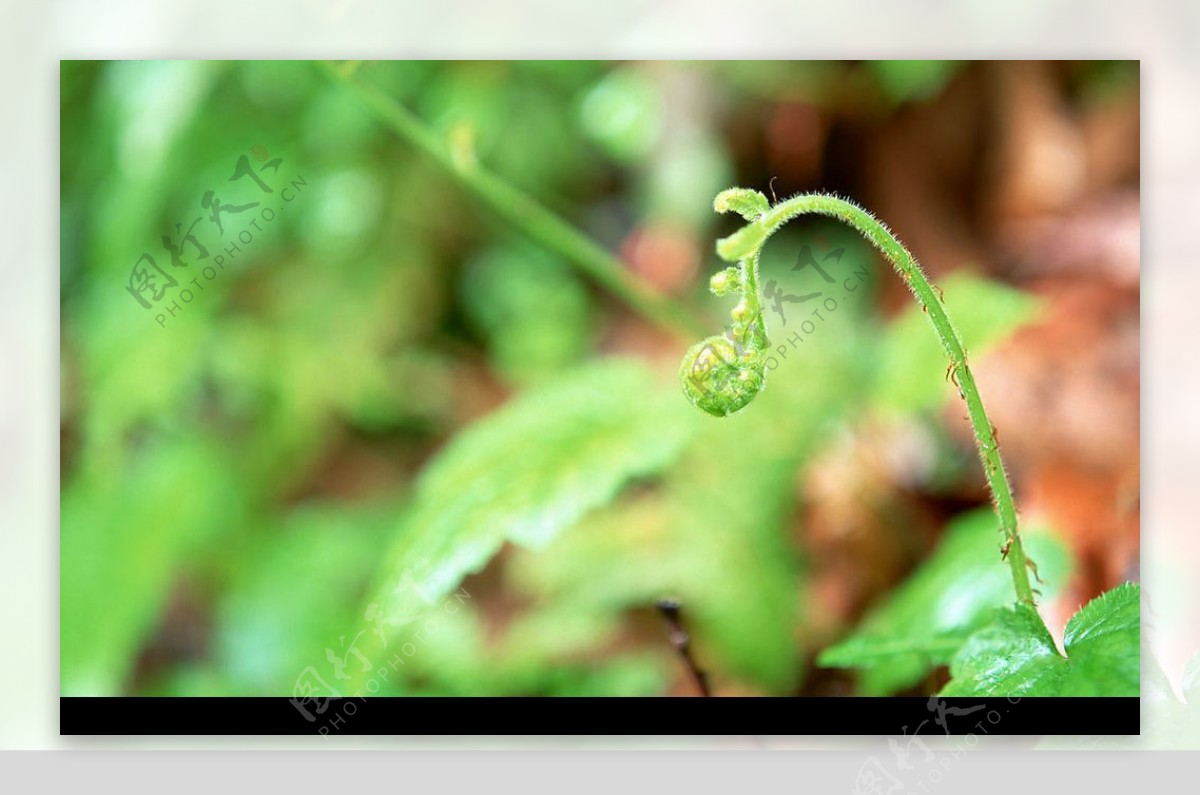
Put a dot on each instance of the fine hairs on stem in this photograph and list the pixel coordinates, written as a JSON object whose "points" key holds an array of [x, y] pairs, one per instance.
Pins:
{"points": [[723, 374]]}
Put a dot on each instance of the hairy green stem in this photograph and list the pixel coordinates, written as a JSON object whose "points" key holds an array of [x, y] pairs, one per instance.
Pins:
{"points": [[744, 247], [511, 204]]}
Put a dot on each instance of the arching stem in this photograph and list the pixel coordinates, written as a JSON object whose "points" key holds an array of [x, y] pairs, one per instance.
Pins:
{"points": [[750, 240]]}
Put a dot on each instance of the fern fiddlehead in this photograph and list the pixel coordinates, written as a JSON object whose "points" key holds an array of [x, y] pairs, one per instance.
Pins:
{"points": [[723, 374]]}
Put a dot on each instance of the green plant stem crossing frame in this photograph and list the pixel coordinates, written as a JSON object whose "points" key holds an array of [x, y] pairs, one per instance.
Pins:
{"points": [[722, 385], [524, 212]]}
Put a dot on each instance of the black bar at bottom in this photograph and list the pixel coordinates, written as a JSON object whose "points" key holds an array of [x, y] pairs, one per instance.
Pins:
{"points": [[598, 716]]}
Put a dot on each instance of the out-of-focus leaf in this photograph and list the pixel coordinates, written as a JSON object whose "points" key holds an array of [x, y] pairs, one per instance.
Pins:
{"points": [[547, 651], [623, 113], [293, 597], [533, 310], [527, 472], [915, 80], [630, 674], [717, 535], [927, 619], [191, 681], [912, 364], [123, 541], [558, 632], [558, 650], [1014, 655], [589, 570]]}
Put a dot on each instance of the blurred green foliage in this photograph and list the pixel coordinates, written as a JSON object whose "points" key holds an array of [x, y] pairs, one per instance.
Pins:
{"points": [[927, 619], [388, 409], [913, 79], [913, 376]]}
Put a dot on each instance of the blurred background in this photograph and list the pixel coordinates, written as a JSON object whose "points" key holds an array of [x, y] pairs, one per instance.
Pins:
{"points": [[383, 359]]}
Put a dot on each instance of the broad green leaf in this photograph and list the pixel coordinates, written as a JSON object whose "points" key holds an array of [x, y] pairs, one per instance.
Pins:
{"points": [[1014, 655], [1103, 644], [526, 473], [925, 621], [912, 364]]}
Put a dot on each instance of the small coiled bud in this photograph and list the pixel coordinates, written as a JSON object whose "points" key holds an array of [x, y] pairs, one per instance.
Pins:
{"points": [[726, 282], [750, 204], [722, 375], [720, 379]]}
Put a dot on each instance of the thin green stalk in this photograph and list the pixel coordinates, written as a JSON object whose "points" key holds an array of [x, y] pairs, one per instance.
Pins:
{"points": [[712, 381], [511, 204]]}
